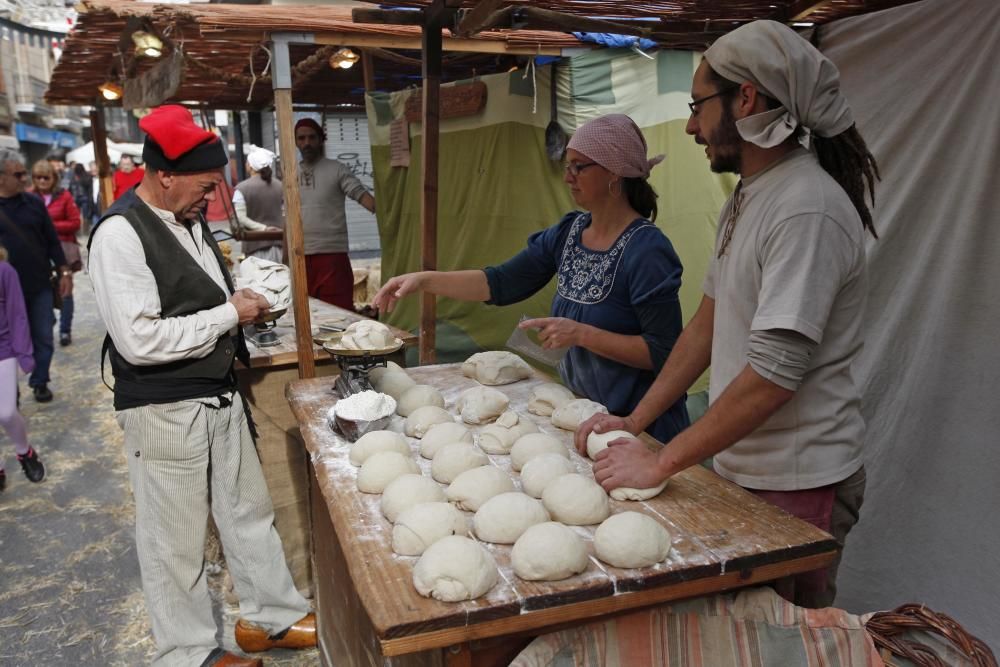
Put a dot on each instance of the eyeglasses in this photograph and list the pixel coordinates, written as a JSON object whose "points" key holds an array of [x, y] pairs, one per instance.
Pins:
{"points": [[42, 177], [574, 168], [16, 174], [694, 104]]}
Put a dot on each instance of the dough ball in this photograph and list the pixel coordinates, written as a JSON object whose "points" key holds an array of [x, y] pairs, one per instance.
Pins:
{"points": [[547, 397], [394, 384], [500, 436], [529, 446], [381, 468], [597, 442], [502, 519], [408, 490], [576, 500], [572, 414], [495, 439], [375, 374], [495, 368], [423, 418], [439, 435], [418, 396], [548, 552], [377, 441], [452, 460], [631, 539], [422, 525], [481, 405], [453, 569], [474, 487], [539, 471], [366, 335]]}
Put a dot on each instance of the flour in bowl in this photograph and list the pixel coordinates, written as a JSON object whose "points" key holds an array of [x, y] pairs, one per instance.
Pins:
{"points": [[365, 406]]}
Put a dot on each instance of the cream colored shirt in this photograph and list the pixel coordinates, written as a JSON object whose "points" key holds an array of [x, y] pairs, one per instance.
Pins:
{"points": [[129, 302], [796, 262]]}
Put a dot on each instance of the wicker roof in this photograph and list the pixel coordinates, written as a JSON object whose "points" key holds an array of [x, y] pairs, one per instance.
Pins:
{"points": [[221, 41]]}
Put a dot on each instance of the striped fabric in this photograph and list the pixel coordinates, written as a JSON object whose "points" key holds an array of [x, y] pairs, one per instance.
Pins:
{"points": [[752, 628]]}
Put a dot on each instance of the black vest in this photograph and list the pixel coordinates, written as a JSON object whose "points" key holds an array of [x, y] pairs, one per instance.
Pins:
{"points": [[184, 288]]}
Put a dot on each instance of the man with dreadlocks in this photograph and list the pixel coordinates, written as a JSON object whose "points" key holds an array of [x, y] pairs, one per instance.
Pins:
{"points": [[780, 322]]}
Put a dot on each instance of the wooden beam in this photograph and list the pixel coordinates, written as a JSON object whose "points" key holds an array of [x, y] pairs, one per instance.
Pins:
{"points": [[800, 10], [486, 14], [534, 18], [454, 44], [431, 56], [293, 232], [99, 136], [387, 16]]}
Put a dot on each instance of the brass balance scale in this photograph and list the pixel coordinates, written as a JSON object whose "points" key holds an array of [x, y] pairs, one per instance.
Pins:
{"points": [[353, 379]]}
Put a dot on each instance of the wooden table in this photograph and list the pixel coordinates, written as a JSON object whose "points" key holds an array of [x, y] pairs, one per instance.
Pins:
{"points": [[282, 455], [370, 613]]}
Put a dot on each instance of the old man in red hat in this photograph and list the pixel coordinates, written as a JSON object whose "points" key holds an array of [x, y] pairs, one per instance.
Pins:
{"points": [[173, 321]]}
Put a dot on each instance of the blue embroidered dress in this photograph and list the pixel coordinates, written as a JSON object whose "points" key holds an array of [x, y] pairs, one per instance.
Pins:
{"points": [[629, 289]]}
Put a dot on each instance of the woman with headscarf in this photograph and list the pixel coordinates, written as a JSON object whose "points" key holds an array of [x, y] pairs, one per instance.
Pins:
{"points": [[259, 203], [66, 218], [616, 305]]}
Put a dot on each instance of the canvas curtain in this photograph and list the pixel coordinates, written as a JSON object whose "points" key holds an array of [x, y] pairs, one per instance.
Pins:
{"points": [[924, 83]]}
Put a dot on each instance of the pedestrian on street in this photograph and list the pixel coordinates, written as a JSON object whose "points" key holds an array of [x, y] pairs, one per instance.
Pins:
{"points": [[15, 351], [65, 215], [173, 320], [34, 251]]}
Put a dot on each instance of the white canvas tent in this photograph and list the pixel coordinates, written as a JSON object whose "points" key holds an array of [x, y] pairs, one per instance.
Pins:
{"points": [[924, 84], [85, 154]]}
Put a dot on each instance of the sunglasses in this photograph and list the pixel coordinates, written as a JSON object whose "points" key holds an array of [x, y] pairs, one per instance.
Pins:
{"points": [[42, 177], [16, 174]]}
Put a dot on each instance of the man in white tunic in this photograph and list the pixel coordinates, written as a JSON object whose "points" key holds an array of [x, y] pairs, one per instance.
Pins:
{"points": [[780, 321], [173, 321]]}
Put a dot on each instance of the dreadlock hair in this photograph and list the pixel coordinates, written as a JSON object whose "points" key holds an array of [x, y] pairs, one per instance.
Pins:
{"points": [[641, 196], [845, 157]]}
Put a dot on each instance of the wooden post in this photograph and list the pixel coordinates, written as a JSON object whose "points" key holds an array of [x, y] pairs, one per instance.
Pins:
{"points": [[99, 137], [293, 209], [368, 70], [241, 159], [431, 70]]}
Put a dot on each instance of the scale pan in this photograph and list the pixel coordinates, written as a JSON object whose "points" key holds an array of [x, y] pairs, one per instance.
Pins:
{"points": [[331, 346]]}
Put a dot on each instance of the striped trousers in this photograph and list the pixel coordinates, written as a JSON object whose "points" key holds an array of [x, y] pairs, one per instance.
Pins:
{"points": [[184, 460]]}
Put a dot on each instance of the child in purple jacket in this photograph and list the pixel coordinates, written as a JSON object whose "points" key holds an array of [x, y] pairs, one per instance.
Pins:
{"points": [[15, 350]]}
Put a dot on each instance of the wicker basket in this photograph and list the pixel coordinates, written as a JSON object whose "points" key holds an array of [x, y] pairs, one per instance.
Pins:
{"points": [[888, 630]]}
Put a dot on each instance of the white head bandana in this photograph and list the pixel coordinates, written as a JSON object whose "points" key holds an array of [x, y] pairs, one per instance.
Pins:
{"points": [[786, 67], [260, 158]]}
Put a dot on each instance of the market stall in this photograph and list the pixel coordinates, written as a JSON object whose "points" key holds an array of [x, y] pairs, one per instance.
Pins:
{"points": [[369, 611]]}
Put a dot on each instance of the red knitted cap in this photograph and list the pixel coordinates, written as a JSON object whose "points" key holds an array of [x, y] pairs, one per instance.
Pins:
{"points": [[175, 143]]}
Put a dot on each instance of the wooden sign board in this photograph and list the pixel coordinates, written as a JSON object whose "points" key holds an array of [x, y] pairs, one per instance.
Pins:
{"points": [[466, 99], [157, 85]]}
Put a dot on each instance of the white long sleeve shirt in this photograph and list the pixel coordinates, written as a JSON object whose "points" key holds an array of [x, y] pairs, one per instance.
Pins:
{"points": [[129, 302]]}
